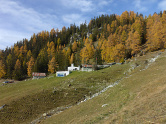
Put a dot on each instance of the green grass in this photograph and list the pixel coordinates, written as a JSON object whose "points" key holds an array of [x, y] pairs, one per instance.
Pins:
{"points": [[27, 100]]}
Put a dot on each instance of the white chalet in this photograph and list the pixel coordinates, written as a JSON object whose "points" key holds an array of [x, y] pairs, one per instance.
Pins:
{"points": [[73, 68]]}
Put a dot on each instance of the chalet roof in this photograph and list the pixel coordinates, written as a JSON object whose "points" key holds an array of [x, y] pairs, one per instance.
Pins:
{"points": [[38, 74]]}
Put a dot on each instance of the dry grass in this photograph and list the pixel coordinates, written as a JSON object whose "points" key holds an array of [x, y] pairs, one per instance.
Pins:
{"points": [[27, 100], [140, 98]]}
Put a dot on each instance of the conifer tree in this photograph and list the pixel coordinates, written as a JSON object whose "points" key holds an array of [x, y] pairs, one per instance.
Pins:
{"points": [[136, 43], [30, 66], [17, 73], [34, 40], [51, 50], [2, 69], [74, 46], [72, 59], [42, 61], [29, 54], [16, 51], [10, 67], [52, 65]]}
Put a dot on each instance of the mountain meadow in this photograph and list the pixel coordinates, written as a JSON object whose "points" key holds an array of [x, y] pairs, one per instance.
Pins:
{"points": [[131, 91]]}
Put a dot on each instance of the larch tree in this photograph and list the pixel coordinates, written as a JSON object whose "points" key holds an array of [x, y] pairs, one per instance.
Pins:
{"points": [[132, 16], [52, 66], [136, 43], [163, 21], [59, 41], [68, 53], [123, 37], [124, 18], [21, 53], [87, 52], [74, 46], [52, 34], [155, 33], [2, 69], [104, 50], [16, 51], [29, 54], [108, 30], [30, 65], [72, 58], [118, 53], [51, 50]]}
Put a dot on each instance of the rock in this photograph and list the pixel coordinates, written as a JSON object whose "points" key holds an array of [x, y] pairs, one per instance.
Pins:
{"points": [[2, 106], [45, 114], [104, 105]]}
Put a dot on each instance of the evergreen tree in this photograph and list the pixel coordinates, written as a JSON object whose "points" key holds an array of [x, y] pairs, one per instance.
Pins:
{"points": [[10, 67], [2, 69], [17, 73], [42, 61]]}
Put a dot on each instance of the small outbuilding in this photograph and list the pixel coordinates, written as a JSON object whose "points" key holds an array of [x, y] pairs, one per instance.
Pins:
{"points": [[73, 68], [62, 73], [86, 68], [37, 75]]}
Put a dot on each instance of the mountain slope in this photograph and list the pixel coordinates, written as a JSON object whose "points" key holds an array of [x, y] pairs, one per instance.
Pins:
{"points": [[138, 98], [28, 100]]}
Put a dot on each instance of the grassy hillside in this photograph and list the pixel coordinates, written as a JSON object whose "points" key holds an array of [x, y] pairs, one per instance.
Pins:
{"points": [[27, 100], [138, 98]]}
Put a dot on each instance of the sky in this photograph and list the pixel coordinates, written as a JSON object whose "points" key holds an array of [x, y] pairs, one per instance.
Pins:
{"points": [[20, 19]]}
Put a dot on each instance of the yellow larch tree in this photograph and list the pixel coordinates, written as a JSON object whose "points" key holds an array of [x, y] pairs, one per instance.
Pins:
{"points": [[52, 65], [30, 65], [72, 58], [51, 50], [2, 69], [104, 50], [136, 43], [16, 51], [29, 54], [74, 46], [155, 33]]}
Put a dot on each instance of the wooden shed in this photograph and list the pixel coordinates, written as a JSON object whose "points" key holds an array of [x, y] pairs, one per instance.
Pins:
{"points": [[86, 68], [37, 75]]}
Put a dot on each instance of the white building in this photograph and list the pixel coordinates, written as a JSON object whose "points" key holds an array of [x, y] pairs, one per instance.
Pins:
{"points": [[62, 73], [86, 68], [73, 68], [65, 73]]}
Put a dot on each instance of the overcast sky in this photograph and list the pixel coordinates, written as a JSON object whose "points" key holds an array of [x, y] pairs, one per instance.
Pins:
{"points": [[21, 18]]}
